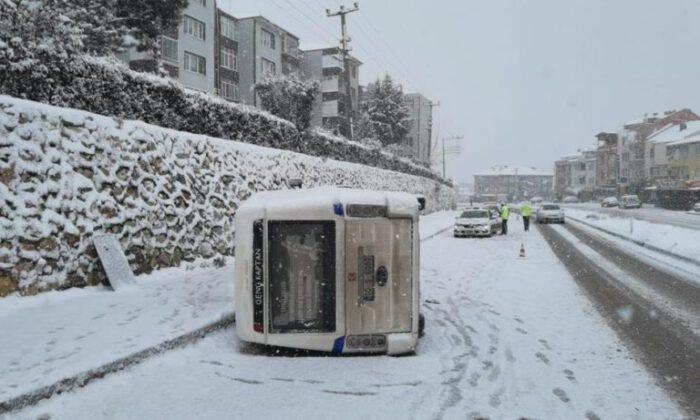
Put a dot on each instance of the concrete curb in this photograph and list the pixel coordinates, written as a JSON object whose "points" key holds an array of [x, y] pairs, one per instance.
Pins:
{"points": [[637, 242], [432, 235], [83, 378]]}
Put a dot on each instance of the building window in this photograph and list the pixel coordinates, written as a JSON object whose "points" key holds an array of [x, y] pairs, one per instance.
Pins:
{"points": [[625, 157], [353, 69], [268, 39], [229, 90], [168, 48], [228, 27], [268, 67], [193, 27], [228, 58], [652, 152], [195, 63]]}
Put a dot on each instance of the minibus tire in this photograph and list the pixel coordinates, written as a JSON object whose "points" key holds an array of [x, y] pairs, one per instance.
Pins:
{"points": [[421, 325]]}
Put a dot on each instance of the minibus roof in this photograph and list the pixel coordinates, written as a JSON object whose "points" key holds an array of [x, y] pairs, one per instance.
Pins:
{"points": [[398, 203]]}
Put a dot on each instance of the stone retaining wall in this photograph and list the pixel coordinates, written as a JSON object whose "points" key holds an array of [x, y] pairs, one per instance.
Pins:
{"points": [[169, 196]]}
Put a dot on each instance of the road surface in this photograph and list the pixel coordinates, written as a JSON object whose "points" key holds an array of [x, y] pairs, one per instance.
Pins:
{"points": [[656, 311], [506, 337]]}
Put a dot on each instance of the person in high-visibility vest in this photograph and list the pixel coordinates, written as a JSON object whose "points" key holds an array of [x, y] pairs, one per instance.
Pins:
{"points": [[526, 212], [505, 212]]}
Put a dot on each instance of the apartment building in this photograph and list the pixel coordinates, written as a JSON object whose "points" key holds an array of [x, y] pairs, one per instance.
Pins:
{"points": [[264, 49], [187, 51], [607, 165], [683, 160], [632, 144], [512, 183], [418, 141], [227, 79], [576, 174], [325, 64]]}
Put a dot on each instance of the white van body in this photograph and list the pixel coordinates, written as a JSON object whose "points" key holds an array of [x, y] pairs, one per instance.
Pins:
{"points": [[329, 269]]}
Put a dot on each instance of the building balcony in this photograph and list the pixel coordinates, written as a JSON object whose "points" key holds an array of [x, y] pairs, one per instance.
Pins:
{"points": [[330, 109], [332, 62], [292, 53], [331, 85]]}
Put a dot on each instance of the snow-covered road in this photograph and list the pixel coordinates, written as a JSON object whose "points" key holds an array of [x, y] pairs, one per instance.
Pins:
{"points": [[648, 213], [505, 338]]}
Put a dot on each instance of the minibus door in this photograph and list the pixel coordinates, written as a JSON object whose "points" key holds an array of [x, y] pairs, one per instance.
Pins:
{"points": [[378, 270]]}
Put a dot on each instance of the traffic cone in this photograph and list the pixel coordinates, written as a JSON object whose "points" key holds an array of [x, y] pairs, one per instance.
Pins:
{"points": [[522, 250]]}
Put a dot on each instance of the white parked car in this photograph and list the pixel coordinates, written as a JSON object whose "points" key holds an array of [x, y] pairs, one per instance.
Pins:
{"points": [[629, 202], [609, 202], [570, 199], [550, 212], [696, 207], [476, 222]]}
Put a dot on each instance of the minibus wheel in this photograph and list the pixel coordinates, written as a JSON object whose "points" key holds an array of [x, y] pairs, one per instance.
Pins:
{"points": [[421, 325]]}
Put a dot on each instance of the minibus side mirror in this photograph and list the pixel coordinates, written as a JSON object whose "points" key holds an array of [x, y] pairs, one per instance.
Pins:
{"points": [[421, 203]]}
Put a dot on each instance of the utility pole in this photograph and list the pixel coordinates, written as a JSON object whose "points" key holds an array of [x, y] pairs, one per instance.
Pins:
{"points": [[345, 49], [430, 127], [454, 149]]}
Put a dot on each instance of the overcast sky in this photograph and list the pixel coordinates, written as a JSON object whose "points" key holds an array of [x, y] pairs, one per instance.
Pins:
{"points": [[524, 81]]}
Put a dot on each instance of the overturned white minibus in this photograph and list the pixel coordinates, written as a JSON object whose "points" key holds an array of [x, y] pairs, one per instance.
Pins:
{"points": [[329, 269]]}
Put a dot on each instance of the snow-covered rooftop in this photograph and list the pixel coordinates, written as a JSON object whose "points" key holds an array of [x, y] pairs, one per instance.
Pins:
{"points": [[512, 170], [693, 137], [672, 132], [313, 46]]}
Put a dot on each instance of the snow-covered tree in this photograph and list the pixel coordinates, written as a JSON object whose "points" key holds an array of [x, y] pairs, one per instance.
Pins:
{"points": [[35, 41], [102, 32], [289, 97], [147, 20], [383, 115]]}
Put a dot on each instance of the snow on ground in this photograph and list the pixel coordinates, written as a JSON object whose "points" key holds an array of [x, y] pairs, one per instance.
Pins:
{"points": [[643, 289], [678, 240], [55, 335], [667, 263], [52, 336], [648, 212], [505, 338]]}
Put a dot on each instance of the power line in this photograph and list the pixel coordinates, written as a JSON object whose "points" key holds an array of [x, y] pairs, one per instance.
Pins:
{"points": [[286, 12]]}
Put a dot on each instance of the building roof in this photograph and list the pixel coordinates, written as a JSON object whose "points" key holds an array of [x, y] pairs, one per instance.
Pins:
{"points": [[692, 137], [258, 16], [316, 46], [673, 132], [500, 170]]}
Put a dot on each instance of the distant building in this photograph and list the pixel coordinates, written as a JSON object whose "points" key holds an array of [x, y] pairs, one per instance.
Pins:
{"points": [[684, 160], [656, 159], [513, 183], [264, 49], [187, 51], [607, 165], [418, 141], [632, 145], [576, 175], [325, 64]]}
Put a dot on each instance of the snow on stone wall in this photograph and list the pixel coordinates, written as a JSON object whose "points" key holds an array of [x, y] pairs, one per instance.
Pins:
{"points": [[66, 175]]}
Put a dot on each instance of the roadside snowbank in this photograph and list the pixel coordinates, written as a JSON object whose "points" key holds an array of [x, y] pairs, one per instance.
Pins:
{"points": [[675, 239]]}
